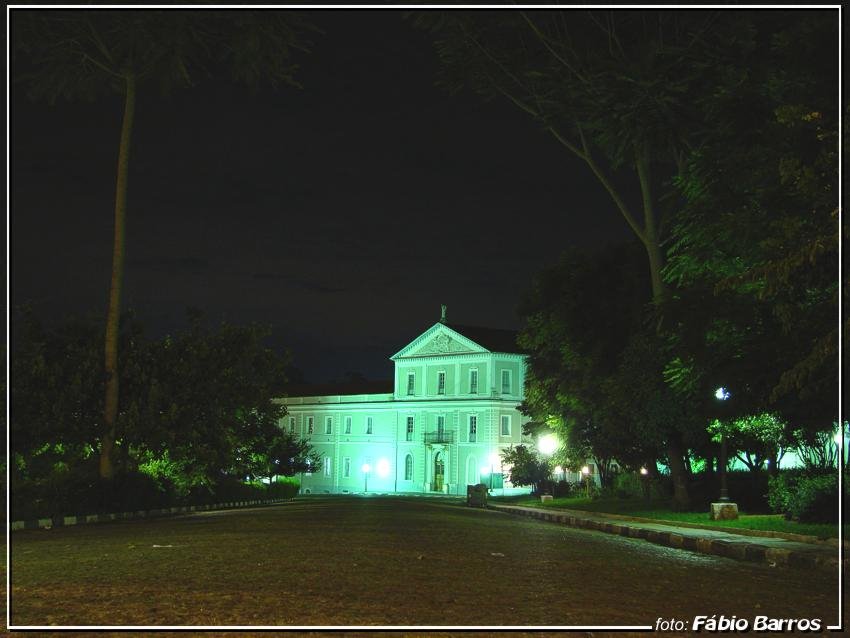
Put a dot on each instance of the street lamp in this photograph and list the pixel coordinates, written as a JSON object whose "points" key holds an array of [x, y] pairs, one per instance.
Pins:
{"points": [[366, 469], [722, 394], [547, 444], [494, 459], [586, 471], [644, 477], [839, 444]]}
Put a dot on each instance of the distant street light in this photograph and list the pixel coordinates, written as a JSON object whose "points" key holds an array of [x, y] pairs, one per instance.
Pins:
{"points": [[722, 394], [586, 471], [366, 469], [495, 460], [839, 444], [644, 478]]}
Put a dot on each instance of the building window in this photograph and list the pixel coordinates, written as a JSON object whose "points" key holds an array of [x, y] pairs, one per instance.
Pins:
{"points": [[292, 425], [441, 425], [506, 381], [327, 466], [408, 467], [348, 425], [309, 425], [409, 433], [473, 428], [473, 381], [346, 467], [329, 425], [411, 382], [368, 425], [506, 425], [441, 382]]}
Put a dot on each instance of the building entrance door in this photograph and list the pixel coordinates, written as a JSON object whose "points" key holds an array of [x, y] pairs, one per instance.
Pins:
{"points": [[438, 472]]}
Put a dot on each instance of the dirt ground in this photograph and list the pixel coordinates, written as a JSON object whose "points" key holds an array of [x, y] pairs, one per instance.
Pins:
{"points": [[391, 562]]}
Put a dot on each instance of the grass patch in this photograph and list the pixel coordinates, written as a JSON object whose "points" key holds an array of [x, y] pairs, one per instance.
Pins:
{"points": [[660, 510]]}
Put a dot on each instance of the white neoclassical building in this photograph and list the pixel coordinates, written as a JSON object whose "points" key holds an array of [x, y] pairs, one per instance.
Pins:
{"points": [[439, 426]]}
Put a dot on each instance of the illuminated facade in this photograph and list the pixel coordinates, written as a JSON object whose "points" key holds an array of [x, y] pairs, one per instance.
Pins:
{"points": [[438, 427]]}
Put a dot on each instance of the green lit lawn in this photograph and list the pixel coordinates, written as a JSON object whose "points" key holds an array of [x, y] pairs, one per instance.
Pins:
{"points": [[658, 510]]}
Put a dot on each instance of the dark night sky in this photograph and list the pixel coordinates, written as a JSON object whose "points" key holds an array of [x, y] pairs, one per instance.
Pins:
{"points": [[343, 214]]}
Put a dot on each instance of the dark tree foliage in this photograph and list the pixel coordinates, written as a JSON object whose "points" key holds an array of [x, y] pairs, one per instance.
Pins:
{"points": [[595, 360], [754, 260], [284, 455], [719, 121], [618, 90], [81, 53], [527, 467], [198, 407]]}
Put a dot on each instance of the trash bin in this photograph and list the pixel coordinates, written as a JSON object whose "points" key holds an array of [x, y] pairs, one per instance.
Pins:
{"points": [[476, 495]]}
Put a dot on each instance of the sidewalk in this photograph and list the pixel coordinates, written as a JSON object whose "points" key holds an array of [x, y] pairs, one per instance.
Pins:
{"points": [[771, 551]]}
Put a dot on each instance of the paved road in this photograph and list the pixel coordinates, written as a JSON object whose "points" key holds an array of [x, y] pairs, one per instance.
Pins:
{"points": [[385, 561]]}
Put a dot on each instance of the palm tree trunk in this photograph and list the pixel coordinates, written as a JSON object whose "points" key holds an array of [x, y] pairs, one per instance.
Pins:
{"points": [[110, 409]]}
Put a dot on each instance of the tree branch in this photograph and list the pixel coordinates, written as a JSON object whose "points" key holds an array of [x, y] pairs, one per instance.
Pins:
{"points": [[545, 41], [603, 179], [98, 42], [495, 61]]}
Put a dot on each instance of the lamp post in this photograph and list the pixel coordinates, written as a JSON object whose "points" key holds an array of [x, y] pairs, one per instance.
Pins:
{"points": [[839, 445], [494, 459], [547, 445], [366, 469], [586, 472], [644, 477], [722, 394]]}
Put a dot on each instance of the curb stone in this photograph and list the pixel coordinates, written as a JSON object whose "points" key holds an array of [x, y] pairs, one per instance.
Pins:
{"points": [[753, 549], [67, 521]]}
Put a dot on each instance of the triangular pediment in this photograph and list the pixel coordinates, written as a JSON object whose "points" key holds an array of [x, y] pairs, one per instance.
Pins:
{"points": [[438, 340]]}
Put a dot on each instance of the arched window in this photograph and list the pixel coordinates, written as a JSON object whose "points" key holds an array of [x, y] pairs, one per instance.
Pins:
{"points": [[408, 467]]}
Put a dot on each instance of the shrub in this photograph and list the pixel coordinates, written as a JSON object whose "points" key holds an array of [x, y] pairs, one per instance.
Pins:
{"points": [[815, 500], [804, 496], [628, 485], [780, 491], [283, 487]]}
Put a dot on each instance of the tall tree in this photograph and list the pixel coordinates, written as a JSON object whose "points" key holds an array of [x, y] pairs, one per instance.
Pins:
{"points": [[756, 239], [80, 53], [631, 94], [614, 89], [594, 365]]}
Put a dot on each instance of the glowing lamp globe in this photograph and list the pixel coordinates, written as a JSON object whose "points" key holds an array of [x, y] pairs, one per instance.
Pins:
{"points": [[547, 444]]}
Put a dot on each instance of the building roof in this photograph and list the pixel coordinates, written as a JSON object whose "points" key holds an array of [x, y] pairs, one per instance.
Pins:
{"points": [[385, 386], [494, 339]]}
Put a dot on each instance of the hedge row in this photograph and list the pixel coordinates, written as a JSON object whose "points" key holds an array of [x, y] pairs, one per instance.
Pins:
{"points": [[79, 495]]}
